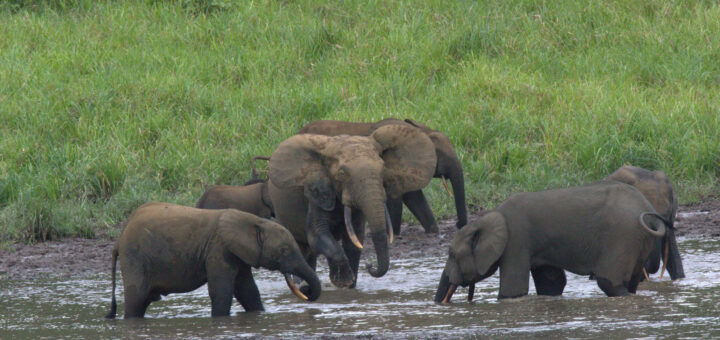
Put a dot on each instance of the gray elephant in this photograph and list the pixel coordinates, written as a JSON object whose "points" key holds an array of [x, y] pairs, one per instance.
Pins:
{"points": [[167, 248], [448, 166], [606, 228], [252, 198], [325, 188], [656, 187]]}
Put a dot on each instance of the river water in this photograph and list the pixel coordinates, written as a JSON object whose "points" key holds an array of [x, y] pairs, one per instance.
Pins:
{"points": [[396, 305]]}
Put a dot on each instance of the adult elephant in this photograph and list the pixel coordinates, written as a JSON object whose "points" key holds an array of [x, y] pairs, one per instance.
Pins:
{"points": [[167, 248], [448, 166], [657, 189], [324, 188], [606, 228]]}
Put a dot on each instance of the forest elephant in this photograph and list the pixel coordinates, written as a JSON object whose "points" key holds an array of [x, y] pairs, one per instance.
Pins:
{"points": [[167, 248], [325, 188], [252, 198], [657, 189], [606, 228], [448, 166]]}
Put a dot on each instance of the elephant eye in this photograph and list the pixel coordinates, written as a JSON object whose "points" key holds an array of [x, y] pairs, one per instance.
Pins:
{"points": [[284, 251]]}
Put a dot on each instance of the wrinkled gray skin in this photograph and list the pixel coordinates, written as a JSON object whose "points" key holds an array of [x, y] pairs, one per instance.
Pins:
{"points": [[592, 229], [448, 166], [658, 190], [252, 198], [167, 248], [314, 179]]}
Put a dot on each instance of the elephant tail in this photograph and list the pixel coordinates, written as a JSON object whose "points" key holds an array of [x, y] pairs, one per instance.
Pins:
{"points": [[660, 232], [113, 303], [202, 201]]}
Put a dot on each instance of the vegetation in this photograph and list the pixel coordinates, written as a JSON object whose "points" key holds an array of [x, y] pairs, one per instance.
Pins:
{"points": [[105, 105]]}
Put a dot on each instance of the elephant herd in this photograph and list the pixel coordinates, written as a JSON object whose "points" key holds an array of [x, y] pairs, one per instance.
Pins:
{"points": [[333, 179]]}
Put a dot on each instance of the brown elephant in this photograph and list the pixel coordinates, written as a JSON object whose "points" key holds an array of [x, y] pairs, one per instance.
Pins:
{"points": [[167, 248], [657, 189], [448, 166], [252, 198], [324, 188], [606, 228]]}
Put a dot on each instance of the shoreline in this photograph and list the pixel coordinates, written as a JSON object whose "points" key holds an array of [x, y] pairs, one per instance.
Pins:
{"points": [[80, 257]]}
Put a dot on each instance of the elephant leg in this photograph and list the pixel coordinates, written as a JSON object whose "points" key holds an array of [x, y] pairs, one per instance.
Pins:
{"points": [[634, 282], [351, 251], [418, 205], [514, 277], [137, 294], [549, 280], [610, 288], [246, 291], [221, 276], [635, 279], [309, 256], [395, 208]]}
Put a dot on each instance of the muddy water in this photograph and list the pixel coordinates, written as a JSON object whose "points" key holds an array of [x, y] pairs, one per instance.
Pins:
{"points": [[396, 305]]}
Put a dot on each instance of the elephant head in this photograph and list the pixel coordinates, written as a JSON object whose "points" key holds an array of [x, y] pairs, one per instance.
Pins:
{"points": [[474, 255], [657, 189], [272, 247], [359, 172], [448, 166]]}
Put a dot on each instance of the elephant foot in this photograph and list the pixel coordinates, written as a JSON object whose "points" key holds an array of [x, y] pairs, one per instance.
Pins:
{"points": [[432, 229], [341, 275]]}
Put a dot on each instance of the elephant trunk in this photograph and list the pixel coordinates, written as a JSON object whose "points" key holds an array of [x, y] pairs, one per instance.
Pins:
{"points": [[374, 211], [457, 180], [674, 263], [312, 290], [441, 295]]}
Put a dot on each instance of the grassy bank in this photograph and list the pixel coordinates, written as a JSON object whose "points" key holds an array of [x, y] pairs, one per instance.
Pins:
{"points": [[105, 105]]}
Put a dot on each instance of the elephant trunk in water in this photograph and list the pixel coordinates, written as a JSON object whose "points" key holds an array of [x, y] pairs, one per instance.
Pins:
{"points": [[312, 291], [375, 212], [670, 250], [444, 289]]}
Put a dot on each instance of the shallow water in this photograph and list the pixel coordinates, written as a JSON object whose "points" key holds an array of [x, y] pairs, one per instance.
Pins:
{"points": [[396, 305]]}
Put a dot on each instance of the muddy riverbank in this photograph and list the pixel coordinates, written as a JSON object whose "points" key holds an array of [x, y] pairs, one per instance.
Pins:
{"points": [[76, 257]]}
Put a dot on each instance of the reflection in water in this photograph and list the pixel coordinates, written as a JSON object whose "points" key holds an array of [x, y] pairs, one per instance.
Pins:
{"points": [[398, 304]]}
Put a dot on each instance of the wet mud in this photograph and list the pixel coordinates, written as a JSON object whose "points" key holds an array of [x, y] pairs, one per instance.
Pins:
{"points": [[73, 257]]}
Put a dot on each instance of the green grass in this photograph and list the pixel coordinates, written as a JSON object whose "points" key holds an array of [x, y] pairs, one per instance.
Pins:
{"points": [[105, 105]]}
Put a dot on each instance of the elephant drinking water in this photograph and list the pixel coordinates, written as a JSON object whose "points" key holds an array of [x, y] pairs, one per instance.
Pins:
{"points": [[606, 228], [167, 248]]}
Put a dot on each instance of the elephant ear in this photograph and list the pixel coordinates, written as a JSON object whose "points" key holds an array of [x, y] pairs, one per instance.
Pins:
{"points": [[298, 162], [409, 157], [238, 233], [489, 243]]}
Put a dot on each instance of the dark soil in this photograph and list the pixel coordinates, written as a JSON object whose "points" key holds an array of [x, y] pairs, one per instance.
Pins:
{"points": [[73, 257]]}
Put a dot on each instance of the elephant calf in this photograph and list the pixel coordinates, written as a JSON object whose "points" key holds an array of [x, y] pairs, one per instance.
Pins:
{"points": [[606, 228], [252, 198], [167, 248]]}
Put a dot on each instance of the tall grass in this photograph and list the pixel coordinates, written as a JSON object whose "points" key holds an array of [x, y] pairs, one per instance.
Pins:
{"points": [[105, 105]]}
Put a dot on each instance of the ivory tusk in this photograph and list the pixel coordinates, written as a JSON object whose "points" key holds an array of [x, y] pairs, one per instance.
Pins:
{"points": [[665, 258], [449, 294], [388, 226], [294, 288], [350, 229], [446, 186], [646, 275], [471, 292]]}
